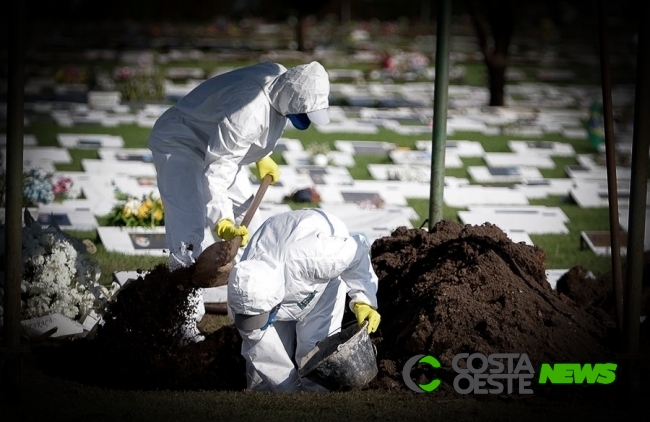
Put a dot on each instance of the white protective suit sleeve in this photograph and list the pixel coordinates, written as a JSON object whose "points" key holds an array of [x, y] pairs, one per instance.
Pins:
{"points": [[359, 275], [222, 160], [264, 349]]}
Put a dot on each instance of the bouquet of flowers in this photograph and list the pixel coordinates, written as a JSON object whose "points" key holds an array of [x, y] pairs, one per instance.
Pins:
{"points": [[58, 275], [131, 211]]}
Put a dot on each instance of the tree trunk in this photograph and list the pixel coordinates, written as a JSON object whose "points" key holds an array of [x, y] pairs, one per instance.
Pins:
{"points": [[500, 22], [300, 32], [497, 74]]}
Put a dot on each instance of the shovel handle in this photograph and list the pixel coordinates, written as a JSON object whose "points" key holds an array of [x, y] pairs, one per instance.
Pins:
{"points": [[257, 199]]}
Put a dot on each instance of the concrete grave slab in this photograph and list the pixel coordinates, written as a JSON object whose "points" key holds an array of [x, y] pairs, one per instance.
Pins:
{"points": [[553, 275], [542, 188], [134, 240], [397, 127], [342, 208], [115, 167], [329, 175], [61, 324], [423, 158], [97, 188], [142, 155], [508, 159], [585, 174], [364, 147], [89, 140], [575, 133], [460, 148], [550, 212], [124, 277], [372, 223], [554, 149], [345, 74], [596, 194], [518, 236], [402, 172], [514, 174], [465, 195], [45, 158], [370, 196], [67, 216], [301, 158], [288, 144], [396, 190], [346, 126], [137, 186], [525, 132], [531, 221]]}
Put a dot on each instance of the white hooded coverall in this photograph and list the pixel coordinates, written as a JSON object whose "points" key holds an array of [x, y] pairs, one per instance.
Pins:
{"points": [[200, 145], [310, 261]]}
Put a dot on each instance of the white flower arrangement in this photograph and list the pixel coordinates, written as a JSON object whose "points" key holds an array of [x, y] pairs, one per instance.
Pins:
{"points": [[58, 276]]}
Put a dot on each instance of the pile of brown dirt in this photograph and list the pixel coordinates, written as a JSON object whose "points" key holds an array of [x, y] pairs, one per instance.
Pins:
{"points": [[457, 289], [470, 289]]}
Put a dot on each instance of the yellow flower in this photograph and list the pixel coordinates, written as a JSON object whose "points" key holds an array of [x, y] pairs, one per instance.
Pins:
{"points": [[148, 203], [158, 215], [126, 212], [143, 211]]}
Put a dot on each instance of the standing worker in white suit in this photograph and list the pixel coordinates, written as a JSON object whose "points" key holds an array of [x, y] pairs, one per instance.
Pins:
{"points": [[288, 292], [202, 143]]}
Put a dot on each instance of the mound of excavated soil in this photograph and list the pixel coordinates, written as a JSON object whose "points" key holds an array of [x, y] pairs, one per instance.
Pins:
{"points": [[457, 289], [468, 289]]}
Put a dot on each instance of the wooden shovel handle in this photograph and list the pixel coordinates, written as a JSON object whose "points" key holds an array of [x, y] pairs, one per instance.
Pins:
{"points": [[257, 199]]}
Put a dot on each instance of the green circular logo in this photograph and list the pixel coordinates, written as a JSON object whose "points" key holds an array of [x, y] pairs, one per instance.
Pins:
{"points": [[406, 373]]}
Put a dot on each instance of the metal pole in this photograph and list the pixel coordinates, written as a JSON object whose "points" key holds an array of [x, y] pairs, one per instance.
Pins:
{"points": [[436, 194], [11, 374], [638, 189], [610, 155]]}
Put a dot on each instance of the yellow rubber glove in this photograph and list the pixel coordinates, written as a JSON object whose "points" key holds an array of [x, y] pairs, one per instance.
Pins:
{"points": [[364, 312], [227, 231], [267, 166]]}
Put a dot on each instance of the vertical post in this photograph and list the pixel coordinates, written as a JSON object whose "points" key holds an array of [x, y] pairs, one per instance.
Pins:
{"points": [[11, 373], [610, 155], [436, 194], [638, 193]]}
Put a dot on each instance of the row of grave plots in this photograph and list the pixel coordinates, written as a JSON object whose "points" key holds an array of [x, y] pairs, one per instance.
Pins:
{"points": [[373, 207], [533, 109]]}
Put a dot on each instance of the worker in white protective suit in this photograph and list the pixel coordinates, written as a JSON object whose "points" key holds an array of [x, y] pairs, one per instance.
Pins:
{"points": [[202, 144], [289, 289]]}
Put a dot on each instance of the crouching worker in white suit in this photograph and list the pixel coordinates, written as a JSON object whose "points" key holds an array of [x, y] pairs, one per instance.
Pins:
{"points": [[202, 144], [288, 292]]}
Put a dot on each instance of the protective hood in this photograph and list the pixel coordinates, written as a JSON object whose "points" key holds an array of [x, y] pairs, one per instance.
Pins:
{"points": [[301, 89], [255, 287]]}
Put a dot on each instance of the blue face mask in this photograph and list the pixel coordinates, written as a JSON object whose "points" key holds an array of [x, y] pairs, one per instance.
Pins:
{"points": [[272, 315], [299, 121]]}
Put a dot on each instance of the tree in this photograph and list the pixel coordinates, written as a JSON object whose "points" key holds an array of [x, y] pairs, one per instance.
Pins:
{"points": [[497, 18]]}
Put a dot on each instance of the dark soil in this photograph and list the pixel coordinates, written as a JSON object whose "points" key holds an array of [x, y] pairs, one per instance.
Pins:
{"points": [[457, 289]]}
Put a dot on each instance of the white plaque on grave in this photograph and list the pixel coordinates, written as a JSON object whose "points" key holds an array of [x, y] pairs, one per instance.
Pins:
{"points": [[61, 324]]}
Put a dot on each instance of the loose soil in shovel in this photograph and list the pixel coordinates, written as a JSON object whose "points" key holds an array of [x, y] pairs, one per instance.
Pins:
{"points": [[457, 289]]}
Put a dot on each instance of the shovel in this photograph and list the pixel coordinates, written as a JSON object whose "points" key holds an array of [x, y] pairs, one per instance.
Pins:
{"points": [[215, 263]]}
